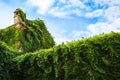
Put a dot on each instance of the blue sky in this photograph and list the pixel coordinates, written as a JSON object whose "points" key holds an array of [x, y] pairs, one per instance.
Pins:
{"points": [[67, 20]]}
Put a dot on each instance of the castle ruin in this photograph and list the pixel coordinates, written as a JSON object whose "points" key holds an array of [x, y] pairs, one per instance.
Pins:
{"points": [[18, 21], [17, 17]]}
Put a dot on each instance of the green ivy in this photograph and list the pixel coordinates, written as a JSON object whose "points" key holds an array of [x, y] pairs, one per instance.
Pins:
{"points": [[95, 58], [30, 37], [6, 56]]}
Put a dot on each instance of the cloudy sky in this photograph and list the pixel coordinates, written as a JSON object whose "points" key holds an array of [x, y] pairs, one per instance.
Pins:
{"points": [[67, 20]]}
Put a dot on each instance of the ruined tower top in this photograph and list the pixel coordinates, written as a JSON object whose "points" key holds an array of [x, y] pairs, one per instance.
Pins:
{"points": [[19, 16]]}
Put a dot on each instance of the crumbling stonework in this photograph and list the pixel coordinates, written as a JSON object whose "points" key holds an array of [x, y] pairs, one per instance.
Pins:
{"points": [[20, 24], [17, 17]]}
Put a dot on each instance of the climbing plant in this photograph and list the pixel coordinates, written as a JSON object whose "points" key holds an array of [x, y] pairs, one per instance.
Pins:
{"points": [[31, 36], [95, 58], [6, 56]]}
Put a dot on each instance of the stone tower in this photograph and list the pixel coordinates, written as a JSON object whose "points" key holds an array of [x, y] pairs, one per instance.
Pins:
{"points": [[17, 17]]}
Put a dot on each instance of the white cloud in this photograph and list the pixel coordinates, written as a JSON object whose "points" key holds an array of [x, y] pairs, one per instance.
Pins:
{"points": [[96, 13], [108, 11], [6, 15], [101, 27], [64, 13], [63, 1], [77, 3], [43, 5], [106, 2], [60, 36], [115, 26], [108, 15], [80, 34], [92, 29], [97, 28], [112, 13], [62, 8], [61, 39], [57, 32], [57, 12], [77, 12]]}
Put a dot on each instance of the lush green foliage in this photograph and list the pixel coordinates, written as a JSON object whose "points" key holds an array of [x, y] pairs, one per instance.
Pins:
{"points": [[10, 36], [31, 36], [95, 58], [5, 61], [36, 36], [27, 36]]}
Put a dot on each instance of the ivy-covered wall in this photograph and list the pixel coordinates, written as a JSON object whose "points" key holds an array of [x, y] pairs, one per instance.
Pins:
{"points": [[36, 36], [27, 36], [18, 12], [95, 58], [6, 56]]}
